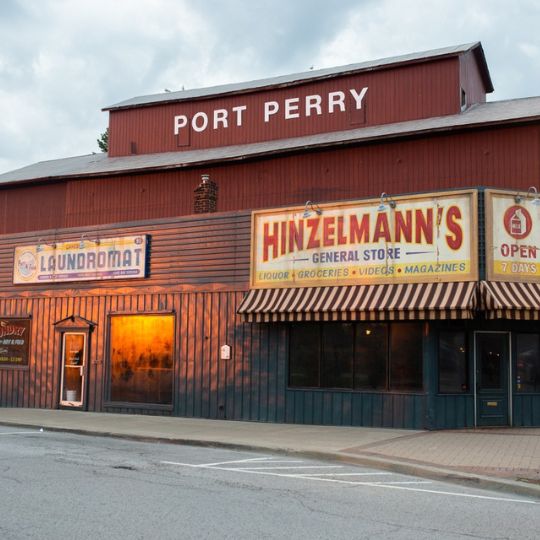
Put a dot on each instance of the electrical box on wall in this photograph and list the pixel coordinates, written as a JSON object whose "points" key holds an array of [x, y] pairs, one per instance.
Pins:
{"points": [[225, 352]]}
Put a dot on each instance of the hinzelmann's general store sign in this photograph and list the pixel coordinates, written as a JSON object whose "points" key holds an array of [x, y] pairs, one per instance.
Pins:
{"points": [[14, 341], [513, 236], [81, 260], [404, 239]]}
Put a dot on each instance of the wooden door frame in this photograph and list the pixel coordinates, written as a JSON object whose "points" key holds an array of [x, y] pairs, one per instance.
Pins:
{"points": [[509, 371]]}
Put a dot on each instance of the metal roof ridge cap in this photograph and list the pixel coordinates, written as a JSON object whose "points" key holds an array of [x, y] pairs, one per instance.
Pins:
{"points": [[297, 78]]}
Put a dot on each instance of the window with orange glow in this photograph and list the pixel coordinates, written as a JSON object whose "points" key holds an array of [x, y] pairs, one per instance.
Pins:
{"points": [[141, 367]]}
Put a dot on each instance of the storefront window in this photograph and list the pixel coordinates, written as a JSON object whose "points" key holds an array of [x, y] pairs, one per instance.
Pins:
{"points": [[141, 365], [528, 362], [304, 358], [453, 366], [406, 357], [356, 356], [370, 356], [337, 357]]}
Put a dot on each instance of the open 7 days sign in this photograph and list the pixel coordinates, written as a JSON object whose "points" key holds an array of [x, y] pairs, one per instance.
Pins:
{"points": [[407, 239], [513, 236]]}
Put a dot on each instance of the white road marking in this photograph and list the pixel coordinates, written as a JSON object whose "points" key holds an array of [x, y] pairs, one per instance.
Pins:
{"points": [[392, 483], [297, 467], [384, 485], [307, 475], [20, 432], [220, 462]]}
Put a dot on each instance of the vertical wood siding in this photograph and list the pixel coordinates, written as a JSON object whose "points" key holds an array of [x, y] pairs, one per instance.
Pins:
{"points": [[395, 94], [471, 79], [32, 207], [526, 410], [503, 157], [453, 412], [252, 385]]}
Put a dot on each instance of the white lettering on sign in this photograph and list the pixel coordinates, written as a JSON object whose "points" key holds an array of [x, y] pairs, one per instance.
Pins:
{"points": [[179, 123], [336, 98], [239, 110], [270, 108], [220, 116], [290, 108], [197, 125], [314, 102]]}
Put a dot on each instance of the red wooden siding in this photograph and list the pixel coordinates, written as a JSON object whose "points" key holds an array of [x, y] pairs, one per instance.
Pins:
{"points": [[32, 208], [498, 157], [397, 94], [209, 251], [471, 79]]}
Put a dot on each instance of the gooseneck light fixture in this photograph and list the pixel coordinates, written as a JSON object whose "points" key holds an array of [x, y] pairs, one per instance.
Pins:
{"points": [[311, 207], [532, 193], [42, 242], [386, 202], [536, 196], [84, 238]]}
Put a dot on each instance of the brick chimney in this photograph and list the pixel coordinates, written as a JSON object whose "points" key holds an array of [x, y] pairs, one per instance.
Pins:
{"points": [[206, 196]]}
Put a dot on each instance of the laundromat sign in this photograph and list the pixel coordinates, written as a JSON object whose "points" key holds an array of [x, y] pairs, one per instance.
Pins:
{"points": [[388, 240], [81, 260], [513, 236]]}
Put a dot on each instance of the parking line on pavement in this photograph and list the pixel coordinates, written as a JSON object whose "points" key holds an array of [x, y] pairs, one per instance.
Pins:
{"points": [[319, 478], [296, 467], [347, 474], [210, 465], [21, 432]]}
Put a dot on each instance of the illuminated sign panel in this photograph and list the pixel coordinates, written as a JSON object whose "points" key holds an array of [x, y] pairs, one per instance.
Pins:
{"points": [[512, 236], [407, 239], [14, 341], [84, 260]]}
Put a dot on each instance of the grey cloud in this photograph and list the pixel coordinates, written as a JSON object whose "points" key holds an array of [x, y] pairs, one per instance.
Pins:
{"points": [[61, 61]]}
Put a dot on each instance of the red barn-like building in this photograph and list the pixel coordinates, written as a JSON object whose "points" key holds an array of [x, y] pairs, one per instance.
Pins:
{"points": [[352, 246]]}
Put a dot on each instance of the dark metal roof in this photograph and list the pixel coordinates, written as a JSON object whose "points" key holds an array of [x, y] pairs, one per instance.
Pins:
{"points": [[299, 78], [485, 114]]}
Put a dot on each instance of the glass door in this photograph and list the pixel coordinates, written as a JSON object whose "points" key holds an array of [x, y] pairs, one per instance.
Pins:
{"points": [[492, 378], [73, 369]]}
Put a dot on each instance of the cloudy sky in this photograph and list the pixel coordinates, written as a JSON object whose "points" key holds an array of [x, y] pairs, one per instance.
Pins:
{"points": [[61, 61]]}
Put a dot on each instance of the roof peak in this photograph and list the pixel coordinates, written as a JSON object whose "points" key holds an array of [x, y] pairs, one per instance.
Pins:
{"points": [[299, 78]]}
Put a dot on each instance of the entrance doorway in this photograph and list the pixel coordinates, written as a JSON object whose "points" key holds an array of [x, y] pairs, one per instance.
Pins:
{"points": [[73, 369], [492, 365]]}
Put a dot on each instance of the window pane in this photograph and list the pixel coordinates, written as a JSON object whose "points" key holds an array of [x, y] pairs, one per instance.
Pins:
{"points": [[406, 356], [453, 367], [304, 349], [370, 356], [490, 353], [142, 358], [528, 362], [337, 356]]}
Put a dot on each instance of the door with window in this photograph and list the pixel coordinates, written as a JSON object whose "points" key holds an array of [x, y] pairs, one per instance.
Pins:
{"points": [[72, 387], [492, 354]]}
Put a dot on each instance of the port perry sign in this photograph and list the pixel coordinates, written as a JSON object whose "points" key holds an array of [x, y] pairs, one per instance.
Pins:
{"points": [[420, 238], [287, 109], [512, 236], [81, 260]]}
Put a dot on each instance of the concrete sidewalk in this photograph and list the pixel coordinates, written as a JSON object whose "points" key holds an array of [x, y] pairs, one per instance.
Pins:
{"points": [[502, 459]]}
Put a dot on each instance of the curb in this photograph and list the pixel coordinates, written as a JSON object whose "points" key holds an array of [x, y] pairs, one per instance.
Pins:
{"points": [[399, 466]]}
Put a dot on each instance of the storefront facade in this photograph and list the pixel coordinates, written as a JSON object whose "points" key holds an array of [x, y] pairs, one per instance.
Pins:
{"points": [[307, 250]]}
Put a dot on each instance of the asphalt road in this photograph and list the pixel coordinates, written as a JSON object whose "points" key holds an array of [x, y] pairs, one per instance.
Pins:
{"points": [[63, 486]]}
